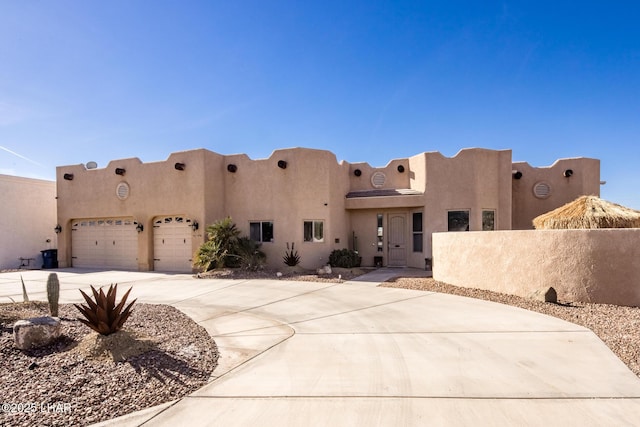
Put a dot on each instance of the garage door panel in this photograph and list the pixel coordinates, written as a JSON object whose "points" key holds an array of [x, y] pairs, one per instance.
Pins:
{"points": [[104, 243], [172, 244]]}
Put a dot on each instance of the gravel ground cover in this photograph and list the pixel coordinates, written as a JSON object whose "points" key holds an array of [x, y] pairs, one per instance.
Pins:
{"points": [[183, 355], [72, 382], [338, 275], [617, 326]]}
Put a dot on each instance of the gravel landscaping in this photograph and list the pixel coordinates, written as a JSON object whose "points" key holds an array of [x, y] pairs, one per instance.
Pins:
{"points": [[75, 381]]}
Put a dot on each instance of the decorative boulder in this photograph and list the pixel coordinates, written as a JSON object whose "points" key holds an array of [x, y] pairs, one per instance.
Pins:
{"points": [[545, 295], [36, 332], [325, 270]]}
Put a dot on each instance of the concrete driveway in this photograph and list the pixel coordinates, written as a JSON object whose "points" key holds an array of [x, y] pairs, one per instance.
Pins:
{"points": [[301, 353]]}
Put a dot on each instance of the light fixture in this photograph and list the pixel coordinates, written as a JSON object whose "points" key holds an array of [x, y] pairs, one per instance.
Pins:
{"points": [[400, 168], [567, 173], [120, 171], [282, 164], [58, 229], [68, 176], [139, 227], [232, 168], [357, 172], [517, 174], [179, 166], [195, 225]]}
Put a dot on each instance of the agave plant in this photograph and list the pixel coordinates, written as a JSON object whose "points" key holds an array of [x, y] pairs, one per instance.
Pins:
{"points": [[103, 315], [291, 257]]}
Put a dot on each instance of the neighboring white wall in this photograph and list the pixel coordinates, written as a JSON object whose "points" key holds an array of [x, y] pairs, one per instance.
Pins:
{"points": [[599, 266], [27, 221]]}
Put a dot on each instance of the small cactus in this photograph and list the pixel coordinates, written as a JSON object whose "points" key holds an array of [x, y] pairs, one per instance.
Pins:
{"points": [[53, 293]]}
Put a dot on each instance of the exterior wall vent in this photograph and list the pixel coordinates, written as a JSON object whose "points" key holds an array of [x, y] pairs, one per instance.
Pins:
{"points": [[542, 190], [378, 179], [122, 191]]}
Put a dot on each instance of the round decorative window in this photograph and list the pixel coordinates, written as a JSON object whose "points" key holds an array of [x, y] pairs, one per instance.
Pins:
{"points": [[378, 179], [542, 190], [122, 190]]}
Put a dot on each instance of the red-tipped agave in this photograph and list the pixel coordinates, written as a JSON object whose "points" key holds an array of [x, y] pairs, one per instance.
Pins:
{"points": [[103, 315]]}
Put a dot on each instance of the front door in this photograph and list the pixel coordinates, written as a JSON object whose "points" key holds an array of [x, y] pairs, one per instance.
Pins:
{"points": [[397, 240]]}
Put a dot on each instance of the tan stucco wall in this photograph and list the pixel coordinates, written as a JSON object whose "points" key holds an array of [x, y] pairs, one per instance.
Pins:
{"points": [[585, 180], [313, 186], [473, 180], [394, 177], [155, 189], [581, 265], [28, 219]]}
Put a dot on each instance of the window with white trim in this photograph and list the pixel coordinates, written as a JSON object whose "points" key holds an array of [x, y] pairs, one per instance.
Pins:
{"points": [[314, 231], [261, 231]]}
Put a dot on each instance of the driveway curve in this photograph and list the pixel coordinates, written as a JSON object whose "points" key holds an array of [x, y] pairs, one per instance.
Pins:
{"points": [[303, 353]]}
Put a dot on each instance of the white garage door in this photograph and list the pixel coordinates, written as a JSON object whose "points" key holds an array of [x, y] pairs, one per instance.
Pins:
{"points": [[104, 243], [172, 249]]}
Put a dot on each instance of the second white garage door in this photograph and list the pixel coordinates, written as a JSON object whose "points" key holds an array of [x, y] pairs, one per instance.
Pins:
{"points": [[172, 251]]}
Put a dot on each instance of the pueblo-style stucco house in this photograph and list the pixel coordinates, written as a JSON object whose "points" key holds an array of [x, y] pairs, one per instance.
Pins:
{"points": [[153, 216]]}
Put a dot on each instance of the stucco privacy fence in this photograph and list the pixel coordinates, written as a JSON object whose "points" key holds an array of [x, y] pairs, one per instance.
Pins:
{"points": [[592, 265]]}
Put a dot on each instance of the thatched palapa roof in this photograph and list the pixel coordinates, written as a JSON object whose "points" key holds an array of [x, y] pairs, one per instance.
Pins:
{"points": [[588, 212]]}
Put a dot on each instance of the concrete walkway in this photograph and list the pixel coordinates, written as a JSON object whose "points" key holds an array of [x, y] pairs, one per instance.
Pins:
{"points": [[301, 353]]}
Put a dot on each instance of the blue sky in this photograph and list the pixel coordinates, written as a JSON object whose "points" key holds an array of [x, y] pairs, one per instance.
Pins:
{"points": [[368, 80]]}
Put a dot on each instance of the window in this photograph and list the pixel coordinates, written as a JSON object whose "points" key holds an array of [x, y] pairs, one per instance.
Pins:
{"points": [[314, 231], [458, 220], [417, 232], [261, 231], [488, 220], [380, 233]]}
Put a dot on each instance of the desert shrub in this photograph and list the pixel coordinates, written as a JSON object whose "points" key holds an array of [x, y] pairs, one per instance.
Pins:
{"points": [[248, 254], [344, 258], [209, 255], [225, 248], [222, 244]]}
